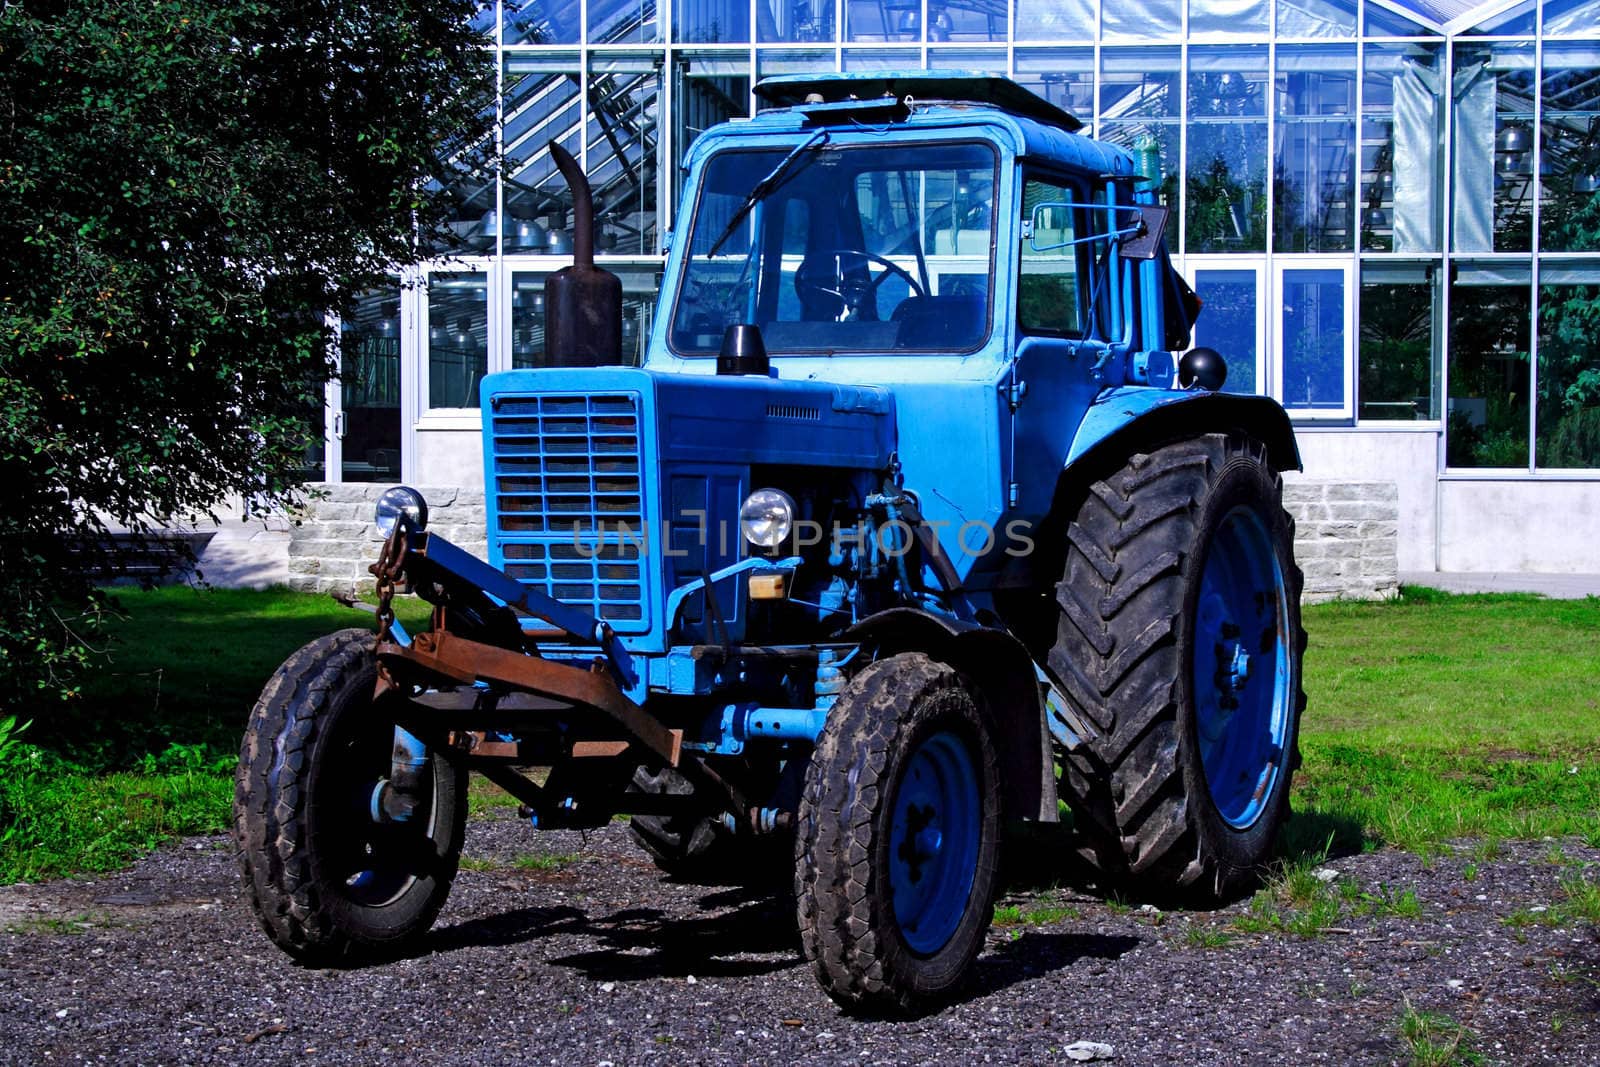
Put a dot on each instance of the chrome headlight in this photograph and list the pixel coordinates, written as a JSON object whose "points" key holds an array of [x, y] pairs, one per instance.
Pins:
{"points": [[766, 517], [401, 500]]}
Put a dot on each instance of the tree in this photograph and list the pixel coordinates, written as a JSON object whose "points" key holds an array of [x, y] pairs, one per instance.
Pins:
{"points": [[187, 187]]}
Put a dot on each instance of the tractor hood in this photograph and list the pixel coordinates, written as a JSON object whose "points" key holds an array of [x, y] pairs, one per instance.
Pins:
{"points": [[733, 419]]}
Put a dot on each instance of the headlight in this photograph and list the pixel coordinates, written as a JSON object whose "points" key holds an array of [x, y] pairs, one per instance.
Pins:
{"points": [[401, 500], [766, 517]]}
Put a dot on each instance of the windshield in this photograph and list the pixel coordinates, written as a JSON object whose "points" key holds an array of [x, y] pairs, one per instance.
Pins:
{"points": [[871, 248]]}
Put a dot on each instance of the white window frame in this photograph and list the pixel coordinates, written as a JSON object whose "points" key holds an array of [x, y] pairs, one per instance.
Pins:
{"points": [[1345, 264], [1190, 268]]}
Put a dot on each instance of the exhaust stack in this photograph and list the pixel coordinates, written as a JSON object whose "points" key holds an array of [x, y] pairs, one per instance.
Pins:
{"points": [[582, 303]]}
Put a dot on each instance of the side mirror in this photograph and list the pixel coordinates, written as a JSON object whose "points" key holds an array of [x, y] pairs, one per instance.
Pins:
{"points": [[1152, 225], [1138, 229]]}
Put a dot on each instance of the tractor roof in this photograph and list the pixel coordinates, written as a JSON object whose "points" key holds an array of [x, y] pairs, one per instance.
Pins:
{"points": [[920, 86]]}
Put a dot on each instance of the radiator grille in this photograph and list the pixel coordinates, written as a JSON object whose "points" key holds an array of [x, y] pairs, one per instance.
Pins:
{"points": [[569, 501]]}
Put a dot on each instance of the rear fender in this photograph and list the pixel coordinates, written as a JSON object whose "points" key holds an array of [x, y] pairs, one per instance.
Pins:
{"points": [[1127, 420], [1000, 668]]}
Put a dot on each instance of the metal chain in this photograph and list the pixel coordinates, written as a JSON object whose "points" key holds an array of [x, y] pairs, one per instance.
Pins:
{"points": [[385, 571]]}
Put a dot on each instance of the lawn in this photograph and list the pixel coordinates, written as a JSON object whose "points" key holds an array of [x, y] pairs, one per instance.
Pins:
{"points": [[1429, 718]]}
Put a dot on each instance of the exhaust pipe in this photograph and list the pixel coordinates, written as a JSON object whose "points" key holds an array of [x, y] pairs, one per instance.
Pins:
{"points": [[582, 303]]}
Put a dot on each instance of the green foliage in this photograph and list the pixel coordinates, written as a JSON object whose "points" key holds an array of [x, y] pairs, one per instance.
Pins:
{"points": [[55, 819], [186, 188]]}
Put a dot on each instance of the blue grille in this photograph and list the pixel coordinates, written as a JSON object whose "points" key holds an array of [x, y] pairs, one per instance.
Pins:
{"points": [[569, 502]]}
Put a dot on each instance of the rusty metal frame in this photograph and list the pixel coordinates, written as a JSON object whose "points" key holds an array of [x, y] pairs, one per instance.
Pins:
{"points": [[465, 662]]}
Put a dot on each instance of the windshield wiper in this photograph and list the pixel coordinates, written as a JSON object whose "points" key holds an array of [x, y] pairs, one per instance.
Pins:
{"points": [[765, 186]]}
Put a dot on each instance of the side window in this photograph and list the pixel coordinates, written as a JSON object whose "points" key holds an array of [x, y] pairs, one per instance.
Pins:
{"points": [[1049, 286]]}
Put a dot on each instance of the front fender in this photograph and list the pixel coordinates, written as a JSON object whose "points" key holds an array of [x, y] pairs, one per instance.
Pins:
{"points": [[1127, 419], [1003, 672]]}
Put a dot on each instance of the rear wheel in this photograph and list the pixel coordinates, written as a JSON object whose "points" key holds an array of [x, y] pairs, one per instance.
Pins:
{"points": [[326, 879], [898, 837], [1179, 639], [688, 845]]}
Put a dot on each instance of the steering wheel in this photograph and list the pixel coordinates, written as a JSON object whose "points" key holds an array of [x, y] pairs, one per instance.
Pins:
{"points": [[852, 294]]}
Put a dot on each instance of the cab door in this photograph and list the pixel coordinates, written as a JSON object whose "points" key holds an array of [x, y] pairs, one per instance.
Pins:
{"points": [[1060, 336]]}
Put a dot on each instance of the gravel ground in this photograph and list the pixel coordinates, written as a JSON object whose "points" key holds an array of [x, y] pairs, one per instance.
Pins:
{"points": [[600, 960]]}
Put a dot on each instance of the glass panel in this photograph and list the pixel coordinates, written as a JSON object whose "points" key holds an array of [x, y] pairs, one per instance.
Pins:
{"points": [[1402, 146], [465, 187], [543, 103], [527, 320], [796, 20], [622, 135], [1571, 17], [369, 387], [622, 21], [983, 60], [1228, 323], [1063, 76], [1313, 340], [707, 89], [1227, 18], [1381, 22], [967, 20], [1140, 19], [855, 249], [1493, 136], [1487, 422], [1140, 108], [639, 288], [1227, 180], [541, 22], [770, 62], [1568, 422], [1516, 22], [879, 59], [1055, 20], [723, 21], [1316, 18], [1398, 359], [1047, 283], [1570, 192], [1314, 158], [458, 332], [947, 20], [883, 20]]}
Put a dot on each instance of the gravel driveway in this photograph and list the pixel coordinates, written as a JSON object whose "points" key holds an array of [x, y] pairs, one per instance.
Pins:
{"points": [[599, 960]]}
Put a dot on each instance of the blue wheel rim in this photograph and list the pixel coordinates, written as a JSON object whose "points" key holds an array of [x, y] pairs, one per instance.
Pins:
{"points": [[933, 841], [1242, 682]]}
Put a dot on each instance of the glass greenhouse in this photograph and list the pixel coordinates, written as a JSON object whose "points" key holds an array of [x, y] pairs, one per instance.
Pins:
{"points": [[1390, 207]]}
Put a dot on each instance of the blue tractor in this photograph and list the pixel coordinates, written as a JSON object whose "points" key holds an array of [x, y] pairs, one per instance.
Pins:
{"points": [[910, 526]]}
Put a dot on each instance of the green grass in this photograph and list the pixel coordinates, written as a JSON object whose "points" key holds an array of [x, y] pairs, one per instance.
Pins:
{"points": [[69, 822], [1431, 717], [1433, 1039], [1435, 716], [545, 861], [186, 665]]}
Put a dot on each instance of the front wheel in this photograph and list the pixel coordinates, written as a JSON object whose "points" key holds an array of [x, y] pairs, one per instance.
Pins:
{"points": [[326, 879], [898, 837], [1179, 638]]}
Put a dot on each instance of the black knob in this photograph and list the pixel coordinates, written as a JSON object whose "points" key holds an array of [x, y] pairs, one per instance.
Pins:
{"points": [[1204, 367]]}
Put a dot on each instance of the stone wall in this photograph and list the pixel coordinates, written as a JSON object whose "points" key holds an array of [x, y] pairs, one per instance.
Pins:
{"points": [[334, 540], [1345, 535]]}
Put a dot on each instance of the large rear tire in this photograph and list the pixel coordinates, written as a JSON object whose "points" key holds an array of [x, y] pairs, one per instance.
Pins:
{"points": [[327, 881], [1179, 639], [898, 838]]}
